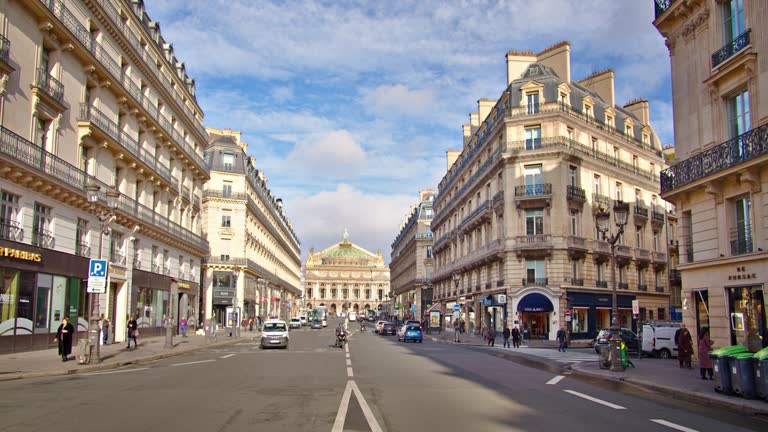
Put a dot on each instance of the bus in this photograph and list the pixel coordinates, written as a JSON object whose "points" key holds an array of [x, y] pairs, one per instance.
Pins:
{"points": [[319, 312]]}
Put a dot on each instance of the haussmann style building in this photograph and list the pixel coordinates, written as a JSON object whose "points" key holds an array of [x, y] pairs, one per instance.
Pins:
{"points": [[719, 175], [94, 103], [255, 257], [516, 241]]}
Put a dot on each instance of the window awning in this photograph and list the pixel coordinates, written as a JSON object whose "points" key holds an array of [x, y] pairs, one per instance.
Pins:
{"points": [[535, 302]]}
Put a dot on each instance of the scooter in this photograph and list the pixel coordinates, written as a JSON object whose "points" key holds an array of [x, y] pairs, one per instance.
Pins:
{"points": [[341, 338]]}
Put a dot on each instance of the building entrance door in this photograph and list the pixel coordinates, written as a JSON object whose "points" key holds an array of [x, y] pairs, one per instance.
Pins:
{"points": [[537, 324]]}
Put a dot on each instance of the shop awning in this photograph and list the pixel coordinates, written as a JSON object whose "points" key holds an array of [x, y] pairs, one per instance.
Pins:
{"points": [[535, 302]]}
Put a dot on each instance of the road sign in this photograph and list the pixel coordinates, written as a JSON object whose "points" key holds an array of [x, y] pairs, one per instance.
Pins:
{"points": [[501, 299], [568, 315], [97, 276], [635, 307], [456, 308]]}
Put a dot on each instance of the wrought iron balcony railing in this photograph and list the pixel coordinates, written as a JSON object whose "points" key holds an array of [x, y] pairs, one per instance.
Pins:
{"points": [[536, 189], [657, 216], [600, 200], [82, 249], [674, 275], [11, 230], [660, 289], [741, 241], [662, 6], [5, 49], [577, 282], [640, 211], [576, 193], [623, 285], [50, 85], [498, 198], [535, 282], [601, 284], [731, 48], [43, 238], [117, 257], [642, 287], [742, 148]]}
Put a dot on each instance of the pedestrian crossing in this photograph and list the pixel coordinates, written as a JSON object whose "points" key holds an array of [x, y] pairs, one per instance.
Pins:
{"points": [[568, 357]]}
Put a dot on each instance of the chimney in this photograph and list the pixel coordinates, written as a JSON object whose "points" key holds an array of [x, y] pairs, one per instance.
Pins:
{"points": [[557, 57], [451, 156], [484, 107], [602, 83], [517, 63], [474, 120], [640, 109], [423, 194], [466, 130]]}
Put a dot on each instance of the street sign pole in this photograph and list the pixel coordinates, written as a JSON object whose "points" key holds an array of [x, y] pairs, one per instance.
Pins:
{"points": [[97, 285]]}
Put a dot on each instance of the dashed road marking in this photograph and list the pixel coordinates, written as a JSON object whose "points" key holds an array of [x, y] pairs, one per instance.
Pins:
{"points": [[595, 400], [194, 362], [349, 362], [555, 380], [226, 356], [349, 372], [673, 425]]}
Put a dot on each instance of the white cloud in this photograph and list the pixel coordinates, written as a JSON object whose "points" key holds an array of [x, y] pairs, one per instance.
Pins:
{"points": [[334, 155], [395, 100], [282, 94]]}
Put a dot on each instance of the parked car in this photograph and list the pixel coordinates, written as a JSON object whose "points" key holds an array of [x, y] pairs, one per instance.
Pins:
{"points": [[316, 325], [295, 322], [303, 319], [274, 333], [378, 326], [388, 329], [411, 333], [628, 336], [659, 339], [353, 316]]}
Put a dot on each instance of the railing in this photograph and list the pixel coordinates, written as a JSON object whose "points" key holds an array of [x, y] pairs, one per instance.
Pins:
{"points": [[577, 282], [601, 284], [742, 148], [662, 6], [196, 201], [601, 246], [535, 282], [50, 85], [623, 285], [640, 211], [82, 249], [731, 48], [117, 257], [575, 193], [185, 192], [5, 49], [741, 241], [688, 246], [577, 242], [11, 230], [674, 275], [33, 156], [498, 198], [538, 189], [659, 256], [601, 200], [483, 207], [532, 241], [95, 116], [657, 217], [642, 287], [43, 238], [216, 193], [660, 289]]}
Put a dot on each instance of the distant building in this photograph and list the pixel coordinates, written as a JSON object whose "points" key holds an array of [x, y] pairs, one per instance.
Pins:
{"points": [[719, 177], [411, 266], [345, 277]]}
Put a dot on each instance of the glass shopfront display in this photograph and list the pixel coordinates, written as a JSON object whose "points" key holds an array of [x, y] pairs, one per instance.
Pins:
{"points": [[579, 320], [151, 307], [748, 317], [592, 312]]}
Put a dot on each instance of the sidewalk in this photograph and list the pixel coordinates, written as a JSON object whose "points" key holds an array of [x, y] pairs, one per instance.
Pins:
{"points": [[32, 364], [473, 339]]}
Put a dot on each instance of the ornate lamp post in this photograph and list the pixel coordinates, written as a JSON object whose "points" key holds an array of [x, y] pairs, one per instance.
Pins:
{"points": [[105, 218], [620, 212], [235, 305], [456, 279]]}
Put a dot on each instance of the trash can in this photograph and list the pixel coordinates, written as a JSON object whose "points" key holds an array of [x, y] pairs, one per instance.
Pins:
{"points": [[722, 373], [603, 357], [761, 373], [742, 374]]}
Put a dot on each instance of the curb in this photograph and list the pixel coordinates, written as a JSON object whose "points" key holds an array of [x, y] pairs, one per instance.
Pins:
{"points": [[112, 365]]}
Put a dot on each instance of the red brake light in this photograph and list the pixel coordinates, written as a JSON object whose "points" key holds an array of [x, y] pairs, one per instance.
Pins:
{"points": [[654, 342]]}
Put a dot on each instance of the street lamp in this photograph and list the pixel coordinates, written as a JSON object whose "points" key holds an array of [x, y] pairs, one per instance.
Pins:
{"points": [[236, 307], [456, 279], [620, 212], [169, 317], [105, 217]]}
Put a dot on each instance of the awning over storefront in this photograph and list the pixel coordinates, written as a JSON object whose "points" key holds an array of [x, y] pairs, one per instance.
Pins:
{"points": [[535, 302]]}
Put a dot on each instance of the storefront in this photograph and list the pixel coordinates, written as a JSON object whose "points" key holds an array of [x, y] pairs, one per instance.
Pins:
{"points": [[39, 288], [151, 297], [495, 307], [534, 311], [591, 312]]}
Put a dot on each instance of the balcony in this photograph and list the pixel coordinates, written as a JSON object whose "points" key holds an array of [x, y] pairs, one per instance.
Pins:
{"points": [[43, 238], [661, 6], [575, 194], [600, 202], [659, 260], [739, 43], [601, 284], [675, 276], [50, 87], [623, 254], [11, 230], [5, 55], [660, 289], [537, 195], [533, 246], [741, 241], [577, 247], [136, 262], [117, 257], [498, 202], [577, 282], [83, 250], [640, 214], [658, 217], [735, 151], [601, 251], [642, 287], [623, 285], [642, 258], [674, 247], [539, 282], [478, 216], [185, 194]]}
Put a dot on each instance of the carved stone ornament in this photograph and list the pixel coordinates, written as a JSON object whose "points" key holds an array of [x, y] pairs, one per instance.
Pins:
{"points": [[690, 27]]}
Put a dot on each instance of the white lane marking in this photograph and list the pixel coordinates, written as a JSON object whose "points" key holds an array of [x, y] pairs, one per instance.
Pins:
{"points": [[346, 348], [596, 400], [194, 362], [114, 372], [226, 356], [555, 380], [673, 425], [349, 362], [346, 355], [349, 372], [341, 416]]}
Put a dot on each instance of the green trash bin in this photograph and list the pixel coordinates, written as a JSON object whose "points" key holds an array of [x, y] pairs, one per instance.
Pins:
{"points": [[722, 372], [742, 374], [761, 373]]}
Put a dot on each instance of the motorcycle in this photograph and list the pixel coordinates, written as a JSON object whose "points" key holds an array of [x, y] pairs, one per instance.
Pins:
{"points": [[341, 338], [362, 326]]}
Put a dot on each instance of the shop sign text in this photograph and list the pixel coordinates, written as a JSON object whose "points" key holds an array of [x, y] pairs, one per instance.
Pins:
{"points": [[20, 254], [742, 274]]}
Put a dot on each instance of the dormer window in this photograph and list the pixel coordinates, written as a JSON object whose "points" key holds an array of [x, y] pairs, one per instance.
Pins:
{"points": [[609, 121], [532, 101]]}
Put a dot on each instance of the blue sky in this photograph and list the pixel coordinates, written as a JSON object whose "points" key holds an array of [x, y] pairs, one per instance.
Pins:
{"points": [[349, 107]]}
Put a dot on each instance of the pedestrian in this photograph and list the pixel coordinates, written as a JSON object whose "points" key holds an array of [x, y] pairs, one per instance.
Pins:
{"points": [[484, 332], [677, 333], [684, 348], [183, 327], [133, 332], [105, 330], [516, 337], [506, 334], [705, 347], [492, 336], [561, 338], [64, 338], [250, 325]]}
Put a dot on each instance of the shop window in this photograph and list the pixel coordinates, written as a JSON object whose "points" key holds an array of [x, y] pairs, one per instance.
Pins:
{"points": [[579, 320], [748, 317]]}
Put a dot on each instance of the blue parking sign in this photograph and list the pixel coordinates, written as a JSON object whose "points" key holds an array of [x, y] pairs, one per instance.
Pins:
{"points": [[97, 268]]}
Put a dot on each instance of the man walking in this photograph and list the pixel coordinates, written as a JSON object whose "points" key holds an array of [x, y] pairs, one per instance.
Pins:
{"points": [[516, 337], [506, 334], [492, 336], [561, 337]]}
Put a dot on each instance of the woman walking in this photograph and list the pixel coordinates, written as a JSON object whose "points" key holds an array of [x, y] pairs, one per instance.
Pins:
{"points": [[64, 338], [133, 330], [705, 347]]}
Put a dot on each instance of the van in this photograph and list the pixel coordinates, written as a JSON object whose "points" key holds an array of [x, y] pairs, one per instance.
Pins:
{"points": [[659, 339], [274, 333]]}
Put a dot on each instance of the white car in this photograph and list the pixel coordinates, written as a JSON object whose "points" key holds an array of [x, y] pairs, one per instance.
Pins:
{"points": [[378, 326], [295, 322], [303, 320], [353, 316], [274, 333]]}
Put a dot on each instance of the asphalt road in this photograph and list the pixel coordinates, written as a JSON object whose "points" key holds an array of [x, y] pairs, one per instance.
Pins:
{"points": [[378, 385]]}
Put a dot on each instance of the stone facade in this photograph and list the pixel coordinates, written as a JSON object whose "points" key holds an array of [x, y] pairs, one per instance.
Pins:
{"points": [[719, 175]]}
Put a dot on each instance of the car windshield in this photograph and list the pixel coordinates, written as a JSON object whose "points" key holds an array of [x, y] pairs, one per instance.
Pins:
{"points": [[295, 320], [274, 327]]}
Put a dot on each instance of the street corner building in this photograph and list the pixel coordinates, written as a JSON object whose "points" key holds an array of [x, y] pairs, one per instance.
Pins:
{"points": [[101, 149], [516, 241], [254, 267], [718, 176], [345, 277]]}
